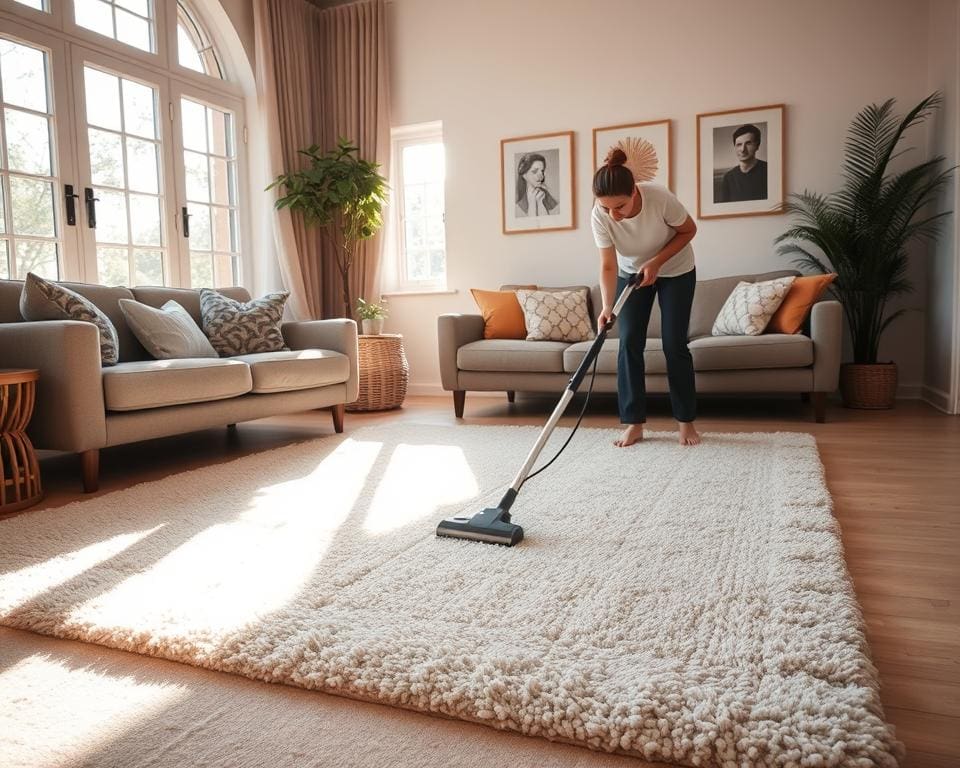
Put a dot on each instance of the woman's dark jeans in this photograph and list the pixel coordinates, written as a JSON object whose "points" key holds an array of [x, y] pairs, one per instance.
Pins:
{"points": [[676, 298]]}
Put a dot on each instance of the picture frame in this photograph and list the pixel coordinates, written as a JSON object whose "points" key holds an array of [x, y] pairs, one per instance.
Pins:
{"points": [[724, 188], [537, 183], [646, 144]]}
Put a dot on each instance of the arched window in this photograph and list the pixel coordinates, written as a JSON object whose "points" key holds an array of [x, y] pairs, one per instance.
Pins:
{"points": [[194, 49], [135, 173]]}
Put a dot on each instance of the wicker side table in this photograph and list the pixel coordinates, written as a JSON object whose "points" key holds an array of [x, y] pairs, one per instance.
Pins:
{"points": [[383, 373], [19, 469]]}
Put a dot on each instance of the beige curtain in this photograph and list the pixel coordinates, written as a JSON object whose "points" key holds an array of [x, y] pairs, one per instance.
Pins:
{"points": [[324, 75]]}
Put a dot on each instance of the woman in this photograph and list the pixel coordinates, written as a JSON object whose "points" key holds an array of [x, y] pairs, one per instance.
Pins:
{"points": [[533, 199], [643, 229]]}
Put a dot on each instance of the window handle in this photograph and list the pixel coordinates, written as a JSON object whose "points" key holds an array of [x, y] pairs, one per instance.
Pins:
{"points": [[186, 221], [68, 198], [91, 203]]}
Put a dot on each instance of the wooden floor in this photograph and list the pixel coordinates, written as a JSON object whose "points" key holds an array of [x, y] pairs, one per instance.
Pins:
{"points": [[894, 476]]}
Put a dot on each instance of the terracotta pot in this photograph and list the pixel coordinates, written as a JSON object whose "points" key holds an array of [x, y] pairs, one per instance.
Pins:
{"points": [[870, 386]]}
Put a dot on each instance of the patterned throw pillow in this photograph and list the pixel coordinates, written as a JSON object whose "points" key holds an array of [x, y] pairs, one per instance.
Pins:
{"points": [[556, 315], [242, 328], [43, 300], [750, 306]]}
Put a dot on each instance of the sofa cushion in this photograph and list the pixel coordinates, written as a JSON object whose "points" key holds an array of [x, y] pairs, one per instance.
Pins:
{"points": [[189, 298], [45, 300], [243, 327], [653, 359], [297, 369], [749, 308], [511, 355], [556, 315], [776, 350], [166, 333], [144, 384]]}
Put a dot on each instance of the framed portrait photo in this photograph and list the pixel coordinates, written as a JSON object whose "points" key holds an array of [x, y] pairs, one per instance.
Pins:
{"points": [[646, 145], [740, 154], [536, 183]]}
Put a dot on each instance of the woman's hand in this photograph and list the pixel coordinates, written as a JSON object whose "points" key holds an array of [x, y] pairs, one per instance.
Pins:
{"points": [[605, 314], [648, 273]]}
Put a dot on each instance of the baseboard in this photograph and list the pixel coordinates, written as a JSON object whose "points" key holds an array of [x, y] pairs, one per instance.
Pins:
{"points": [[909, 392], [937, 398]]}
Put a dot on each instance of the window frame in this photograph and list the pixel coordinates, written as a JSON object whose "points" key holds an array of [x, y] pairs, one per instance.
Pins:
{"points": [[402, 137]]}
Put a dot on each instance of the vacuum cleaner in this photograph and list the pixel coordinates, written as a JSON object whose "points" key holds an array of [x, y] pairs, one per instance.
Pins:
{"points": [[493, 524]]}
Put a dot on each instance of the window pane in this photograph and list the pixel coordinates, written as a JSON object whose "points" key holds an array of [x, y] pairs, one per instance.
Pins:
{"points": [[4, 261], [28, 142], [224, 229], [140, 7], [106, 158], [422, 163], [37, 256], [198, 177], [223, 184], [103, 98], [187, 53], [111, 217], [32, 203], [200, 227], [145, 220], [113, 268], [220, 127], [40, 5], [94, 15], [139, 109], [3, 208], [147, 267], [24, 76], [201, 270], [142, 161], [194, 125], [133, 30]]}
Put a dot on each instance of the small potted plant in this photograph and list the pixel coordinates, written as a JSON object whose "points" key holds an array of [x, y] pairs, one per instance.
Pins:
{"points": [[371, 316]]}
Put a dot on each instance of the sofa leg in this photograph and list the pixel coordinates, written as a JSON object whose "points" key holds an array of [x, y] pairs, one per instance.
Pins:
{"points": [[511, 396], [459, 396], [337, 412], [819, 406], [90, 467]]}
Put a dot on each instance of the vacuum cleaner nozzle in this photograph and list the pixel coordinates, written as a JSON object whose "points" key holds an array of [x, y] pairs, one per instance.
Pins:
{"points": [[492, 526]]}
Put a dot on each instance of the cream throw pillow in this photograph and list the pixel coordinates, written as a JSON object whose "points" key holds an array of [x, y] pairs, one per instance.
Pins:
{"points": [[168, 333], [556, 315], [750, 306]]}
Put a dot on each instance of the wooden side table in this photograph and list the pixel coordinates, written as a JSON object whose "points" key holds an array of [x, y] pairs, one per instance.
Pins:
{"points": [[19, 469], [384, 373]]}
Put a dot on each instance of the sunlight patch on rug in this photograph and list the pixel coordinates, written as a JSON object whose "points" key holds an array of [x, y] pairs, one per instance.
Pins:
{"points": [[687, 605]]}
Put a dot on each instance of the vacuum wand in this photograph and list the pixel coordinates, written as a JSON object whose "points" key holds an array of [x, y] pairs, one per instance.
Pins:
{"points": [[493, 525]]}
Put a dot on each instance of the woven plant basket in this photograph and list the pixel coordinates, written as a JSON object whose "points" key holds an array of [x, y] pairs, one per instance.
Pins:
{"points": [[383, 373], [871, 386]]}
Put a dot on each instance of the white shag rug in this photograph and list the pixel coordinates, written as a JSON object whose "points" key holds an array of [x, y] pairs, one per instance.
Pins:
{"points": [[686, 605]]}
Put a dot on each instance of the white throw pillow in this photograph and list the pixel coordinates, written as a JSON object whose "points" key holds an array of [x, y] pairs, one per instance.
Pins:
{"points": [[168, 333], [556, 315], [750, 306]]}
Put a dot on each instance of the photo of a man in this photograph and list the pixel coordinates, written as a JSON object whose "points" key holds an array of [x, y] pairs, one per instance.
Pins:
{"points": [[747, 179]]}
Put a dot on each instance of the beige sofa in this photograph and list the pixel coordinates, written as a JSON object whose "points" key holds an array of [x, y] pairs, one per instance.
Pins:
{"points": [[806, 363], [82, 407]]}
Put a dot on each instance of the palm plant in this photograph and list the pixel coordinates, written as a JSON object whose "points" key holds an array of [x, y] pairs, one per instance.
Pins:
{"points": [[864, 230], [342, 194]]}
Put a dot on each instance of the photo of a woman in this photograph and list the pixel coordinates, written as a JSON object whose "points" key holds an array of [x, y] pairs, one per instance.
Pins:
{"points": [[533, 197]]}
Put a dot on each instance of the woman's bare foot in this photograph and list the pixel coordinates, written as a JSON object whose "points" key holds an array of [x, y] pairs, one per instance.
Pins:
{"points": [[688, 433], [632, 434]]}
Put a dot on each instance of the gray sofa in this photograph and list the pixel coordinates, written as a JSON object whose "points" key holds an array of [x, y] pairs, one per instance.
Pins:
{"points": [[83, 407], [806, 363]]}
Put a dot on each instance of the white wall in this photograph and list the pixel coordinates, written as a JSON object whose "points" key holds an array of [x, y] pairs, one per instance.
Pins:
{"points": [[940, 384], [503, 68]]}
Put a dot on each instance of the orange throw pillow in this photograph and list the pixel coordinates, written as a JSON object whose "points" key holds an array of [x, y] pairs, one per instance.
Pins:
{"points": [[502, 315], [796, 305]]}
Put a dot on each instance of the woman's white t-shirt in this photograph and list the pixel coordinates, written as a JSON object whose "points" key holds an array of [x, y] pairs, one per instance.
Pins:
{"points": [[640, 238]]}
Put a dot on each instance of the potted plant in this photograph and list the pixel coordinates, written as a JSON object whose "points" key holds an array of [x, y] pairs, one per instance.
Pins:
{"points": [[863, 232], [343, 195], [371, 316]]}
